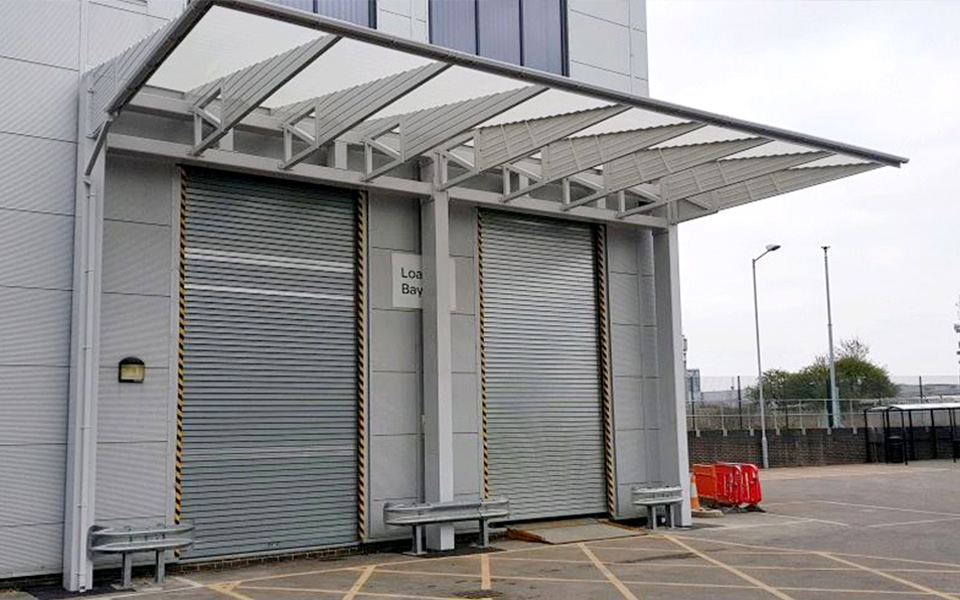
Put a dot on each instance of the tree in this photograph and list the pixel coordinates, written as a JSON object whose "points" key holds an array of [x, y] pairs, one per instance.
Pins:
{"points": [[853, 348], [857, 377]]}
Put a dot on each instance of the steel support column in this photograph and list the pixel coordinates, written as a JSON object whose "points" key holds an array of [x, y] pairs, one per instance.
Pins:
{"points": [[674, 469], [437, 356]]}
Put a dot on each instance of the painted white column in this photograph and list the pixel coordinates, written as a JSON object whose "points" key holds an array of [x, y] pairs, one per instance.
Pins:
{"points": [[674, 464], [437, 359]]}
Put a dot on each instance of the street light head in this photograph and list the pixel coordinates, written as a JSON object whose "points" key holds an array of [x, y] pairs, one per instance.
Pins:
{"points": [[772, 247]]}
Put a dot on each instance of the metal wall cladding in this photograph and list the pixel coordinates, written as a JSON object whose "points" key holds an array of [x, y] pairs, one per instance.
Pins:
{"points": [[544, 416], [270, 424]]}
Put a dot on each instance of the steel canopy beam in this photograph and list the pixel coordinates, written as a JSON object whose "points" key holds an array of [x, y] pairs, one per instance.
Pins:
{"points": [[649, 165], [568, 157], [426, 130], [241, 92], [261, 165], [341, 111], [501, 144]]}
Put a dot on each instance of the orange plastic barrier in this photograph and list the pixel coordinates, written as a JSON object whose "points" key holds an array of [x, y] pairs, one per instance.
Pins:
{"points": [[729, 484], [706, 476]]}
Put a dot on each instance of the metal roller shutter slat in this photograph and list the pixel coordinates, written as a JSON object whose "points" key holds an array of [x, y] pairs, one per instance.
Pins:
{"points": [[270, 419]]}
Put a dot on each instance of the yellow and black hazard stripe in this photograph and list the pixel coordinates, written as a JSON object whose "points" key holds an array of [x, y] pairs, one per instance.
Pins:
{"points": [[181, 331], [361, 324], [483, 358], [603, 330]]}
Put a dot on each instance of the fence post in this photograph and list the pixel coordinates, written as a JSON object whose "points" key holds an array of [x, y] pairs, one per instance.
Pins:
{"points": [[740, 403]]}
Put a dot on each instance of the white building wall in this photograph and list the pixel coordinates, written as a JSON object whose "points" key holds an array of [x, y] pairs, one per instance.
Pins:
{"points": [[37, 164], [43, 46], [396, 381], [404, 18], [136, 421], [636, 376], [608, 43]]}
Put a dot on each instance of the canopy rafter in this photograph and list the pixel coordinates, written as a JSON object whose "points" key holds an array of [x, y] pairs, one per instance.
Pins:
{"points": [[570, 156], [241, 92]]}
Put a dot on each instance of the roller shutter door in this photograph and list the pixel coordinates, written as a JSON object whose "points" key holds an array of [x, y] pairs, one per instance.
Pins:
{"points": [[544, 414], [270, 432]]}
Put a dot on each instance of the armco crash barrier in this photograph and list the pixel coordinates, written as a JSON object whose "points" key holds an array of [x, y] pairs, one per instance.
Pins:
{"points": [[729, 484]]}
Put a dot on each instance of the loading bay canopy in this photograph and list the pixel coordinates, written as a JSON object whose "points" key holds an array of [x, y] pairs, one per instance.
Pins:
{"points": [[553, 145]]}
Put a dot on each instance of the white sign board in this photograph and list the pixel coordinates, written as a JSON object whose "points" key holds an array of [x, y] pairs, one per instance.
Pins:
{"points": [[407, 276]]}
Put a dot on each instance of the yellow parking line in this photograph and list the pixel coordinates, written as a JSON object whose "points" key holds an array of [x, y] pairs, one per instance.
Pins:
{"points": [[711, 586], [727, 552], [547, 560], [285, 575], [891, 508], [475, 576], [624, 590], [924, 522], [779, 548], [767, 588], [484, 572], [670, 551], [900, 580], [853, 591], [374, 594], [359, 583], [228, 589], [145, 593]]}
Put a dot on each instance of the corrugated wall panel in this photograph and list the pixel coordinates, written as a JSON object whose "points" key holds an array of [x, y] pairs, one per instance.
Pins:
{"points": [[31, 549], [38, 100], [58, 44], [37, 249], [32, 489], [33, 408], [112, 31], [270, 424], [34, 327], [37, 174], [544, 415], [127, 484]]}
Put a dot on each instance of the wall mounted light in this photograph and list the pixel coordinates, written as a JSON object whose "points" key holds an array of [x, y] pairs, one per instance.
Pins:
{"points": [[132, 370]]}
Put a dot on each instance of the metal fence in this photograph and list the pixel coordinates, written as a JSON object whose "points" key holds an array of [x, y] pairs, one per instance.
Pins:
{"points": [[727, 404], [813, 413]]}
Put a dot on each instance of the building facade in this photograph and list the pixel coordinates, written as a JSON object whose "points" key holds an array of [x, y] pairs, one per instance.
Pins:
{"points": [[377, 310], [44, 47]]}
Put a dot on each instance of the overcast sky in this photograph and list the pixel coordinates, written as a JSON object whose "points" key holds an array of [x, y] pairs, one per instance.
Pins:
{"points": [[885, 75]]}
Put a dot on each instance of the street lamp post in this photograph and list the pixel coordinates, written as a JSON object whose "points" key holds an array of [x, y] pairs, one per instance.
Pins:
{"points": [[756, 320], [834, 396]]}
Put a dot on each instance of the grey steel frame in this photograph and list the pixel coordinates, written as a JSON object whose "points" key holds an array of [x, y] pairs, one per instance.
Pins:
{"points": [[196, 9], [431, 513], [128, 542]]}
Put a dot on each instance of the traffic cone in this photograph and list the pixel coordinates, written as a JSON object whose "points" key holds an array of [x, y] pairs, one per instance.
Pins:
{"points": [[695, 508], [694, 496]]}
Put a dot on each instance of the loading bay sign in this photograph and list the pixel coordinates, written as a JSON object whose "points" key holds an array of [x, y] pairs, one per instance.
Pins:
{"points": [[407, 276]]}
